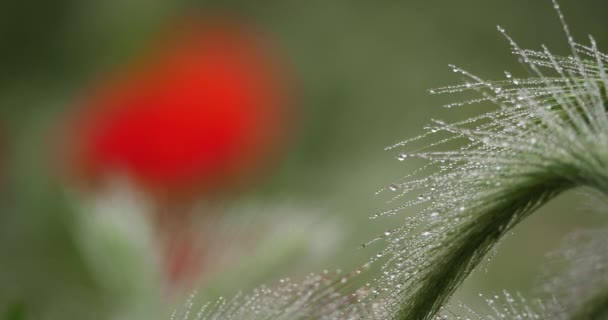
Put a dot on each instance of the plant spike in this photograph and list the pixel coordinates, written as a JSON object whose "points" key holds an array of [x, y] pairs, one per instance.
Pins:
{"points": [[548, 134]]}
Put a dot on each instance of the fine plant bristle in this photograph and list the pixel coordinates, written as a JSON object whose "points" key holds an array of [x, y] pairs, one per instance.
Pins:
{"points": [[319, 296], [503, 306]]}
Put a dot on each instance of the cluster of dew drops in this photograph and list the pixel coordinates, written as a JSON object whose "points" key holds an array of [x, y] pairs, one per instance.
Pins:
{"points": [[453, 181], [504, 306], [445, 187], [317, 296]]}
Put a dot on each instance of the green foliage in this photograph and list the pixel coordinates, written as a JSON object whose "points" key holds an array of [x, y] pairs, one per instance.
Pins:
{"points": [[547, 134]]}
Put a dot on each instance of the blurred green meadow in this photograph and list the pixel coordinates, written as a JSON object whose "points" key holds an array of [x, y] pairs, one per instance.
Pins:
{"points": [[362, 70]]}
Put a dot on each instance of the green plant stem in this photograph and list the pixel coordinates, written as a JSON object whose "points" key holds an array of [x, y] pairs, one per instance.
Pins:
{"points": [[466, 248]]}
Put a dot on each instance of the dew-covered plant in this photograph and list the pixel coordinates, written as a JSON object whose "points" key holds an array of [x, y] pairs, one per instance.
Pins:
{"points": [[547, 133], [573, 286]]}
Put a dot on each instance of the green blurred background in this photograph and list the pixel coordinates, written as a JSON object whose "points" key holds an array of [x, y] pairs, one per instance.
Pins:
{"points": [[363, 69]]}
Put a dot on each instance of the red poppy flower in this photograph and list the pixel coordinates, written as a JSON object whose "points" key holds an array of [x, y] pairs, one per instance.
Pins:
{"points": [[202, 112]]}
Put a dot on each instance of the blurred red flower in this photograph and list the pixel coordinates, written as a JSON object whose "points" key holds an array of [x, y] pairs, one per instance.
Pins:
{"points": [[195, 117], [204, 111]]}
